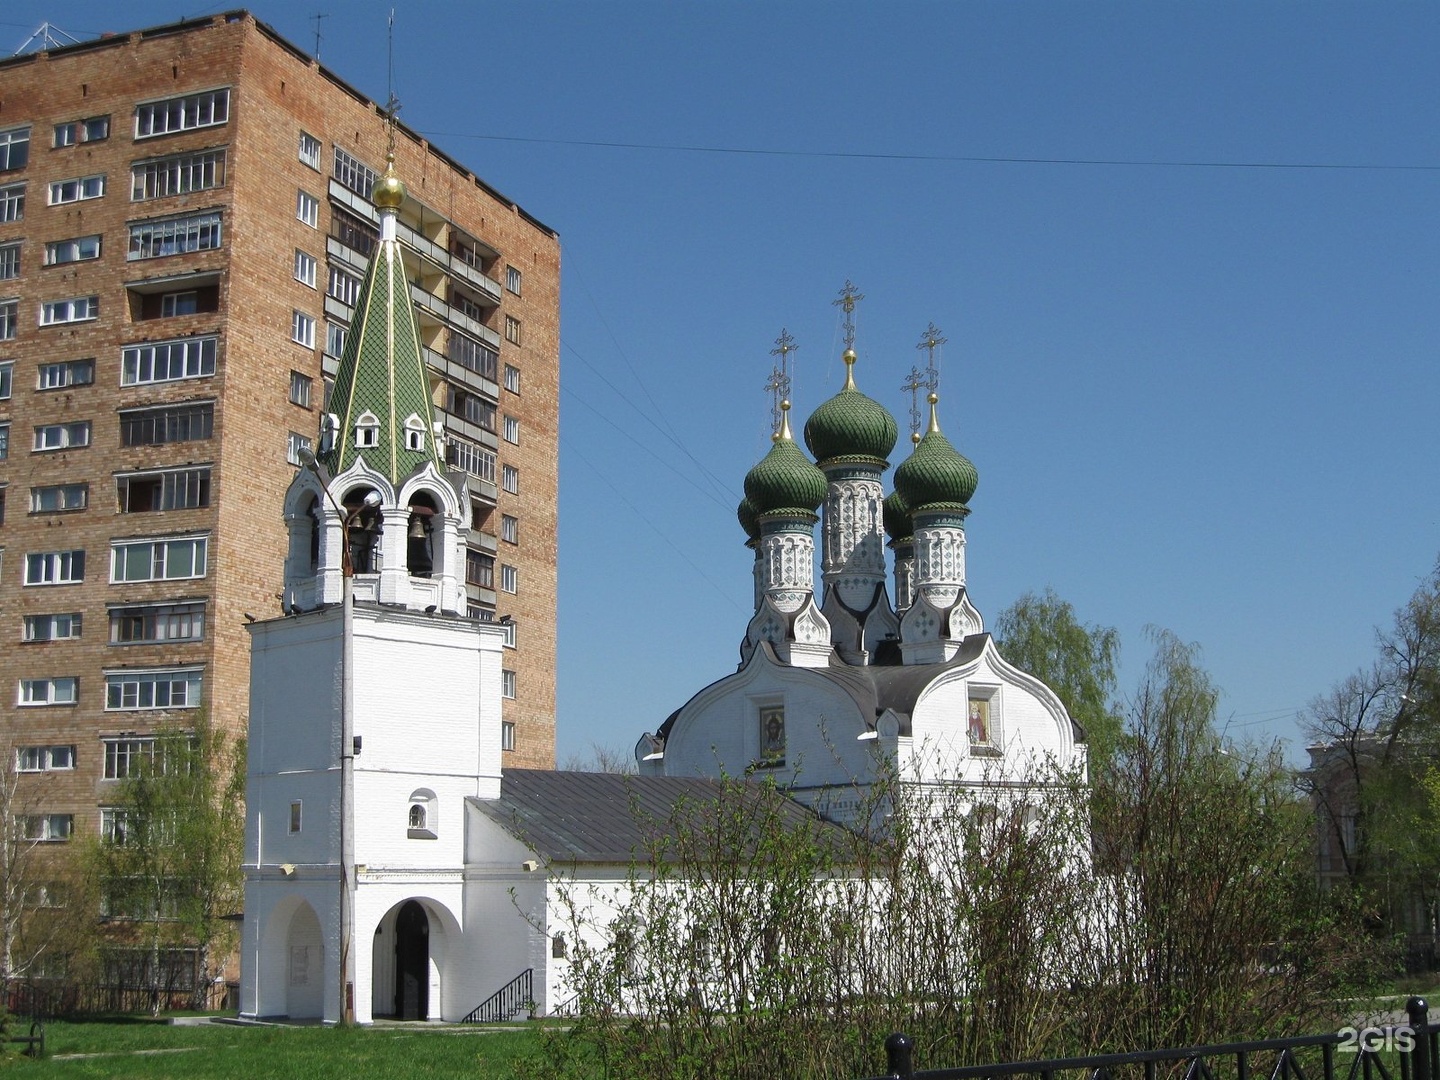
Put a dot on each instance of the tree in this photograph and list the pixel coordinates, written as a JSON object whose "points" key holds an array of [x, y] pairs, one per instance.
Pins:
{"points": [[43, 913], [1041, 634], [170, 858], [1375, 739]]}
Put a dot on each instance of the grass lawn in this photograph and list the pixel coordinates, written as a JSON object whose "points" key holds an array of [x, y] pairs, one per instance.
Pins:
{"points": [[158, 1051]]}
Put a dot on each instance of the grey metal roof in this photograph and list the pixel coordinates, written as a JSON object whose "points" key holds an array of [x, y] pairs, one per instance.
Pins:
{"points": [[577, 817]]}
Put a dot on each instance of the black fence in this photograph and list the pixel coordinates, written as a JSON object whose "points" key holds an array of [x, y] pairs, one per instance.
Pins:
{"points": [[1406, 1051]]}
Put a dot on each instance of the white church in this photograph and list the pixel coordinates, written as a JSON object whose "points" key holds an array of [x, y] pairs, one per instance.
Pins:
{"points": [[394, 868]]}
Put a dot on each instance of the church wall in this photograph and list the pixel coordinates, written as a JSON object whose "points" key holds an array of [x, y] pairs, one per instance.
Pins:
{"points": [[720, 732]]}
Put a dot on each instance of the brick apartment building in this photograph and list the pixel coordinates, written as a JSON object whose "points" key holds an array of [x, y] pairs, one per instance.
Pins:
{"points": [[184, 222]]}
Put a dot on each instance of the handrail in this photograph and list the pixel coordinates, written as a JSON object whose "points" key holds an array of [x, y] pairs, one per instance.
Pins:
{"points": [[500, 1006]]}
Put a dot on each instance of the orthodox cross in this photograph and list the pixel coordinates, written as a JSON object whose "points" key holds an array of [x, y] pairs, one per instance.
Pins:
{"points": [[928, 380], [779, 385], [849, 297]]}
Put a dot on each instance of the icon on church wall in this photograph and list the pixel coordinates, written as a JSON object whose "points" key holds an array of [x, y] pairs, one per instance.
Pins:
{"points": [[772, 733], [980, 720]]}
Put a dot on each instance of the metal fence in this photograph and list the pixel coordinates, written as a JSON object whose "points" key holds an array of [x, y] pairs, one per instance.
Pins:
{"points": [[1407, 1051]]}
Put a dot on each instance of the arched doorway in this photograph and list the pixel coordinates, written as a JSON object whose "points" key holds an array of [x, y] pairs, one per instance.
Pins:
{"points": [[412, 962]]}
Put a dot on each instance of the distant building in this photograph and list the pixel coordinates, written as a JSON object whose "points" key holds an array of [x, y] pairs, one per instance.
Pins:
{"points": [[186, 213]]}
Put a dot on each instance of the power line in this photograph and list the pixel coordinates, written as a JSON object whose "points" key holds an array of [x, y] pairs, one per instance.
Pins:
{"points": [[974, 159]]}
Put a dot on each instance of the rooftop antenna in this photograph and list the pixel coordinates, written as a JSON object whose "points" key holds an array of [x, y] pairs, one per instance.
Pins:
{"points": [[46, 36], [849, 297], [779, 385], [928, 380], [317, 17]]}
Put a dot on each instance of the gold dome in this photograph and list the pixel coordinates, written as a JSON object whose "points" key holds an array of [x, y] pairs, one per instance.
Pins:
{"points": [[389, 192]]}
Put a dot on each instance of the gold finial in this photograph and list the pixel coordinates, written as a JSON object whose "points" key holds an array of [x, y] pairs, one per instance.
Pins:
{"points": [[389, 192], [849, 358], [934, 419], [783, 435], [914, 438]]}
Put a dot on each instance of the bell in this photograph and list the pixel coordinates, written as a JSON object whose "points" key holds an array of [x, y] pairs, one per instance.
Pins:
{"points": [[417, 528]]}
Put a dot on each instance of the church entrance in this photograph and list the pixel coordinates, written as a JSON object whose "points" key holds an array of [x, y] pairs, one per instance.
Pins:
{"points": [[412, 962]]}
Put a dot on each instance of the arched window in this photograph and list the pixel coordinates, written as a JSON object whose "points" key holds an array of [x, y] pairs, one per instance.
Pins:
{"points": [[363, 532], [422, 821], [414, 433], [367, 431], [420, 536], [312, 517]]}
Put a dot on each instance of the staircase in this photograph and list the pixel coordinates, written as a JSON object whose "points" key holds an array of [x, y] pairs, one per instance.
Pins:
{"points": [[515, 996]]}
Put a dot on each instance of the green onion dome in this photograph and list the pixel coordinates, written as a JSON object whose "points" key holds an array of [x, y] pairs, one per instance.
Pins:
{"points": [[936, 474], [850, 425], [896, 514], [785, 479], [746, 513]]}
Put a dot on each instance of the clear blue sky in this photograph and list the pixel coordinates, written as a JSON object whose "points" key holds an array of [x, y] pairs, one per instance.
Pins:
{"points": [[1199, 396]]}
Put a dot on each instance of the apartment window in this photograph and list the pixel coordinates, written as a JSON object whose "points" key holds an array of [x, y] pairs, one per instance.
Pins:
{"points": [[177, 174], [305, 268], [54, 567], [9, 318], [512, 378], [52, 627], [507, 742], [173, 489], [355, 233], [507, 629], [475, 355], [302, 329], [512, 429], [307, 209], [157, 560], [76, 249], [509, 529], [462, 303], [512, 279], [300, 385], [479, 569], [474, 459], [167, 424], [470, 406], [343, 286], [76, 309], [61, 691], [310, 150], [44, 758], [129, 691], [166, 361], [207, 109], [78, 131], [7, 379], [354, 174], [175, 236], [4, 441], [62, 436], [509, 579], [55, 498], [12, 202], [510, 479], [512, 330], [66, 373], [507, 683], [137, 625], [14, 148], [77, 189], [297, 448], [9, 261], [335, 336], [45, 828], [179, 303], [124, 757]]}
